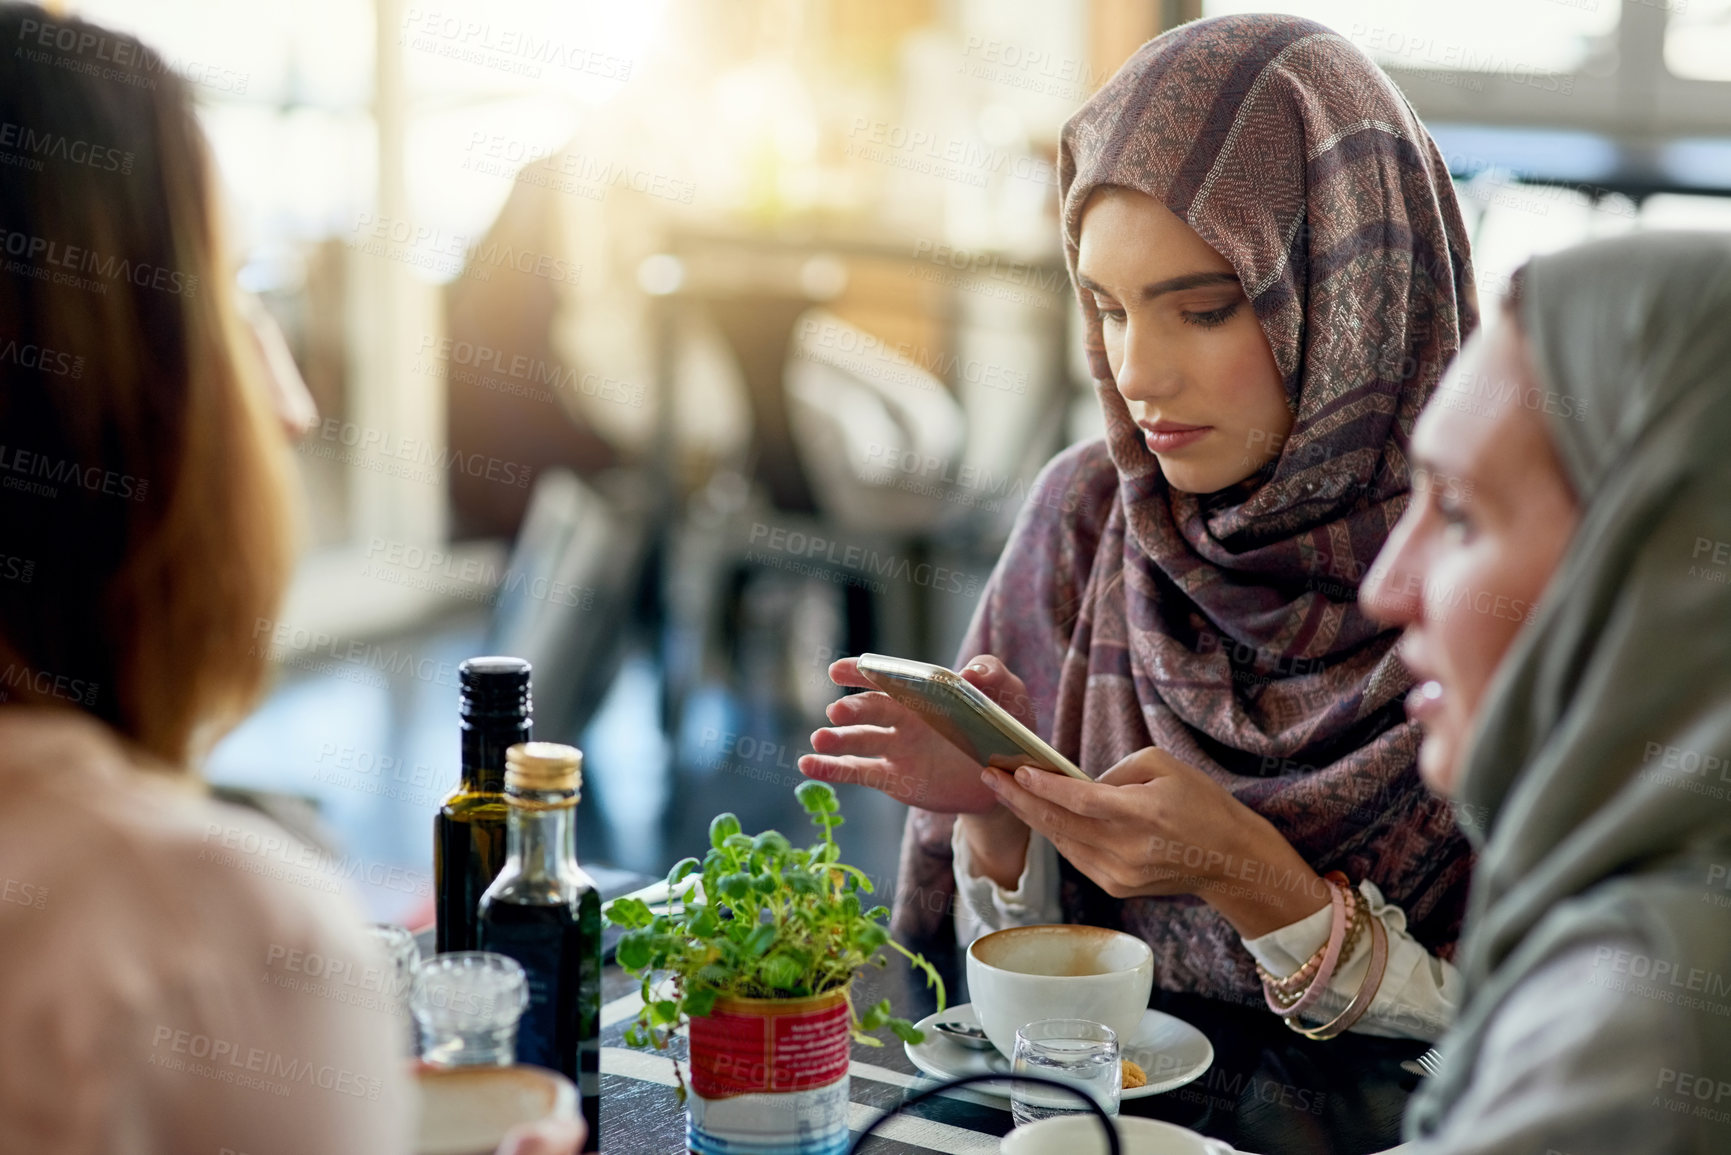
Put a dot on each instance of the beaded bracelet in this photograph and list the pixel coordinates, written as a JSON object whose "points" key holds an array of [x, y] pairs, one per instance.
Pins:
{"points": [[1295, 984], [1337, 893], [1289, 990], [1298, 980]]}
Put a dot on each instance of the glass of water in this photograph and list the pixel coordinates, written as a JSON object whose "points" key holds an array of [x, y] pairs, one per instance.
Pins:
{"points": [[1074, 1051], [467, 1004], [402, 956]]}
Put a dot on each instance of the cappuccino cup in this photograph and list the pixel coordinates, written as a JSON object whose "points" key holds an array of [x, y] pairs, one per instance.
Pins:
{"points": [[1080, 1135], [469, 1110], [1027, 973]]}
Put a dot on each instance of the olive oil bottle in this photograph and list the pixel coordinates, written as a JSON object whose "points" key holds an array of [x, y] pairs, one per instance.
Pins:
{"points": [[469, 830], [545, 912]]}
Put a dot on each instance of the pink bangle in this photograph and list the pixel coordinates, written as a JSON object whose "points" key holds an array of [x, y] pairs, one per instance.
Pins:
{"points": [[1330, 956], [1290, 989], [1366, 991]]}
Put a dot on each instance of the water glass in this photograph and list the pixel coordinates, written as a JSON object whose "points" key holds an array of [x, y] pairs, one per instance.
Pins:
{"points": [[1075, 1051], [402, 956], [467, 1004]]}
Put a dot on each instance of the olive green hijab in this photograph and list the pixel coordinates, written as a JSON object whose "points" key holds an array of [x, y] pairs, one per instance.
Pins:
{"points": [[1597, 785]]}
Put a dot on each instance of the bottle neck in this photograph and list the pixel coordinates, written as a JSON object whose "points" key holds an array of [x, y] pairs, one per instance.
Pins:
{"points": [[541, 837], [485, 741]]}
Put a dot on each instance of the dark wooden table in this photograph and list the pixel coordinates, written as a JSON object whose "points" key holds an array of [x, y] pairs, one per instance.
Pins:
{"points": [[1268, 1091]]}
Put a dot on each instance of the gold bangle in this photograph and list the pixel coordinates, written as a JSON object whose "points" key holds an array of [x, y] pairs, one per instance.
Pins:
{"points": [[1366, 991]]}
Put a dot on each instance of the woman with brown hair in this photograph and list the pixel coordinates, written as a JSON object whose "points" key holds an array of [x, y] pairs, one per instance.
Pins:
{"points": [[149, 997], [1273, 273]]}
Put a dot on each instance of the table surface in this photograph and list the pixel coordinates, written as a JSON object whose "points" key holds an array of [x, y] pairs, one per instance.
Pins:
{"points": [[1269, 1091]]}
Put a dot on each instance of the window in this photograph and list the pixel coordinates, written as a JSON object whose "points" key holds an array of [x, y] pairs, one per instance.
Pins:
{"points": [[1496, 37], [1698, 38]]}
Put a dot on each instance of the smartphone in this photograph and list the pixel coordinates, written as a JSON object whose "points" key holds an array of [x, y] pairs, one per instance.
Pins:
{"points": [[955, 707]]}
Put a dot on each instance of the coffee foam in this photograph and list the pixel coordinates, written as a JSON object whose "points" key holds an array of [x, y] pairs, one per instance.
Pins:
{"points": [[1060, 951]]}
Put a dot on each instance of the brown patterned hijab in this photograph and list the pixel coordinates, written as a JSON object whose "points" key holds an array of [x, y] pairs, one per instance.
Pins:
{"points": [[1225, 627]]}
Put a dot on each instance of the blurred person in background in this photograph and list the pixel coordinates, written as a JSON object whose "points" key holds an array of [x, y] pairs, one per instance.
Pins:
{"points": [[561, 359], [146, 996], [1586, 743], [532, 417], [1273, 273]]}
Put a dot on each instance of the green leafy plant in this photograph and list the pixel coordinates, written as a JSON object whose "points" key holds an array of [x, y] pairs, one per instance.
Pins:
{"points": [[775, 921]]}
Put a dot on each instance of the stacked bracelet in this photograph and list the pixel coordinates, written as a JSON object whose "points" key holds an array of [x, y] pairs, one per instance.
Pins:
{"points": [[1287, 997], [1366, 991]]}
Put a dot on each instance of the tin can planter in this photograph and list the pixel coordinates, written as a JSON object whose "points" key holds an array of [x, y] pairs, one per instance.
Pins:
{"points": [[769, 1077]]}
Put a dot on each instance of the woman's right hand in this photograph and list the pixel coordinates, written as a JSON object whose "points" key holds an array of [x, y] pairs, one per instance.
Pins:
{"points": [[878, 742], [548, 1137]]}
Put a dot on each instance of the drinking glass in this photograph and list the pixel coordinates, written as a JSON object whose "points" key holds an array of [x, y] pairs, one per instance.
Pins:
{"points": [[402, 956], [467, 1004], [1075, 1051]]}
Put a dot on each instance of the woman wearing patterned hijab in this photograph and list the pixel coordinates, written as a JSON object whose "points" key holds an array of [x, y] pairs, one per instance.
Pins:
{"points": [[1590, 746], [1272, 272]]}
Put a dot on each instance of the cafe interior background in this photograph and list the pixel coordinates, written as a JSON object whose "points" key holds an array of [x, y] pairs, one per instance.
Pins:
{"points": [[682, 346]]}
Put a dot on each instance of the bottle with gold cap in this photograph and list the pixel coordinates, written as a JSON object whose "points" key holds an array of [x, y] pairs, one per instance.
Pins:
{"points": [[544, 911]]}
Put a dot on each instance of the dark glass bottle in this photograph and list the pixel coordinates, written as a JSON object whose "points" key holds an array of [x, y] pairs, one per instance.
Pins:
{"points": [[544, 911], [469, 830]]}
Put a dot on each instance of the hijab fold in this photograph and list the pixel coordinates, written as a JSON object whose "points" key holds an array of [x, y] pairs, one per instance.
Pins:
{"points": [[1225, 628], [1598, 779]]}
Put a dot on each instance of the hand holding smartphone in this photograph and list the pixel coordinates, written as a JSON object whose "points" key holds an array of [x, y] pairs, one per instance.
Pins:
{"points": [[956, 708]]}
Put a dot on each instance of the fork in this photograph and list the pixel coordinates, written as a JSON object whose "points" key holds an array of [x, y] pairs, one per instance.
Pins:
{"points": [[1426, 1065]]}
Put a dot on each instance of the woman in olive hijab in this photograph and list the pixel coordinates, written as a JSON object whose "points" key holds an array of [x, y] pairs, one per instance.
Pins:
{"points": [[1562, 576]]}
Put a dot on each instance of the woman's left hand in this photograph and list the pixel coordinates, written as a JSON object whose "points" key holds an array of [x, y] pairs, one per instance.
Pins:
{"points": [[1154, 825]]}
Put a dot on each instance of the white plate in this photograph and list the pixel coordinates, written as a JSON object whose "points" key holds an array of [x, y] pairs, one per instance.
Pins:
{"points": [[1169, 1049]]}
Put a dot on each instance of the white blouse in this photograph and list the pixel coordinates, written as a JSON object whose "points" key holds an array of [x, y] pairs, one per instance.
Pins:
{"points": [[1417, 1000], [175, 975]]}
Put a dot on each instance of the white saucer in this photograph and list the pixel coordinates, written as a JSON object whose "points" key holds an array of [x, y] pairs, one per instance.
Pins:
{"points": [[1169, 1049]]}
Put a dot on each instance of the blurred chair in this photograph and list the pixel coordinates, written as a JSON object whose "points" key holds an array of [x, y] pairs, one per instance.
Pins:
{"points": [[567, 599], [880, 438], [852, 443], [757, 322]]}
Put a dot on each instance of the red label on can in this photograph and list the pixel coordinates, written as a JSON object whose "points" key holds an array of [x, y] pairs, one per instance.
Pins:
{"points": [[736, 1054]]}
